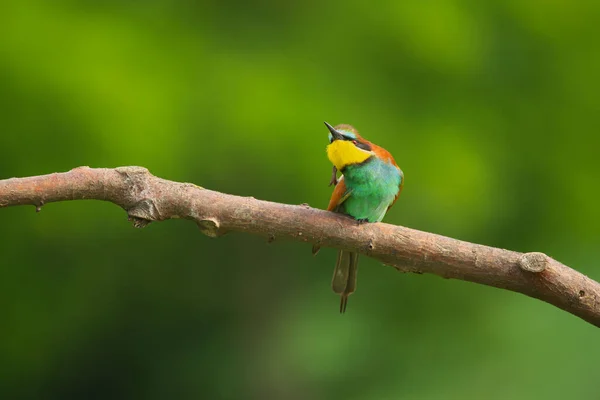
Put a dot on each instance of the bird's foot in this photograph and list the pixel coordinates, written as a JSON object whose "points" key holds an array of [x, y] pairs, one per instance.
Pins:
{"points": [[361, 221], [333, 180]]}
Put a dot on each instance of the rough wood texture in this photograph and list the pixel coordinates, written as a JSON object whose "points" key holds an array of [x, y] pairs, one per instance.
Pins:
{"points": [[147, 198]]}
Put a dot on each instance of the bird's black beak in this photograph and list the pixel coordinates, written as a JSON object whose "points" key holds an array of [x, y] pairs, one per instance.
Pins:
{"points": [[334, 134]]}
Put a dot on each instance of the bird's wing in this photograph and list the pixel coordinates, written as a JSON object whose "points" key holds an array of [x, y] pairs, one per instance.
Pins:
{"points": [[400, 187], [339, 195], [387, 157]]}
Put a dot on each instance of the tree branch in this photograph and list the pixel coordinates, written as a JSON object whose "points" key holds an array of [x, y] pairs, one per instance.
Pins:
{"points": [[147, 198]]}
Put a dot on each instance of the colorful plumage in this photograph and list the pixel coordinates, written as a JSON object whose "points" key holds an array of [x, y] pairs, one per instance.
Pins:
{"points": [[370, 185]]}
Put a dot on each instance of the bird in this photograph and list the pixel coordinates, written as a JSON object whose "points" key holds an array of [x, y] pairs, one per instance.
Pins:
{"points": [[370, 184]]}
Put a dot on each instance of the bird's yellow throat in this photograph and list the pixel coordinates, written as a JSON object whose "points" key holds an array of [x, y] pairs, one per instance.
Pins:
{"points": [[342, 153]]}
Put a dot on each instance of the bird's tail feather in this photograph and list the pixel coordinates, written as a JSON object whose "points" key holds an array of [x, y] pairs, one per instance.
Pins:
{"points": [[344, 276]]}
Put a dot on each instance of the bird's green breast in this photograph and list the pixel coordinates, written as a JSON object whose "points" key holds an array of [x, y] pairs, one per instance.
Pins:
{"points": [[374, 185]]}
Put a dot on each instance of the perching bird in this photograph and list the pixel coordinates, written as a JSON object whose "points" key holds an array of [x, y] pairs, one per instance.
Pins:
{"points": [[370, 185]]}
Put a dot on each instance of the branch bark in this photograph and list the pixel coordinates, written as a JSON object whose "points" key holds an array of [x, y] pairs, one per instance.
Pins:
{"points": [[147, 198]]}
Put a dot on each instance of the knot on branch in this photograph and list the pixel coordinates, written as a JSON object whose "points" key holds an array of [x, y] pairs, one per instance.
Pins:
{"points": [[210, 227], [136, 179], [143, 212], [533, 262], [139, 222], [131, 171]]}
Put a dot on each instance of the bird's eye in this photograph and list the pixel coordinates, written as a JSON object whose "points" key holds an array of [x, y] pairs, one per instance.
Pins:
{"points": [[355, 142]]}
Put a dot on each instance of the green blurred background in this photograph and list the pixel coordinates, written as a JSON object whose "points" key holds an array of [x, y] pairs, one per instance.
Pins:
{"points": [[492, 109]]}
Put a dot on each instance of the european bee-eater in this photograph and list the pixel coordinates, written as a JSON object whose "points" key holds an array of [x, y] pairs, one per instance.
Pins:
{"points": [[370, 184]]}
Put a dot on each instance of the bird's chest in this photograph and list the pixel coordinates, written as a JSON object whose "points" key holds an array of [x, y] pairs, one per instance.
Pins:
{"points": [[374, 186], [374, 178]]}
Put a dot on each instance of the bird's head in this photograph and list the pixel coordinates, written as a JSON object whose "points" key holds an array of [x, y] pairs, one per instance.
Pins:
{"points": [[347, 147]]}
